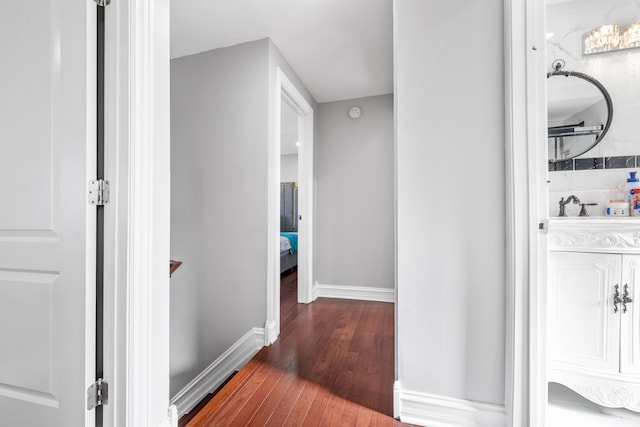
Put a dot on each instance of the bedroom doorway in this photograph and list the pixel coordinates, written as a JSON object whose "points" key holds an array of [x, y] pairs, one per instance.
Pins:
{"points": [[298, 130], [289, 143]]}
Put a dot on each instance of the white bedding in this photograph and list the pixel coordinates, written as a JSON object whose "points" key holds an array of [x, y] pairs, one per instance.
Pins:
{"points": [[285, 244]]}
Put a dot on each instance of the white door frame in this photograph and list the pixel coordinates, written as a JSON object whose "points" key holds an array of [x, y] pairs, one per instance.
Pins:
{"points": [[284, 87], [526, 186], [136, 321]]}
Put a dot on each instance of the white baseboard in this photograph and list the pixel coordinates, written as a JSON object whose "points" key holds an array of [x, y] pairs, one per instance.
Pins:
{"points": [[216, 373], [440, 411], [354, 292]]}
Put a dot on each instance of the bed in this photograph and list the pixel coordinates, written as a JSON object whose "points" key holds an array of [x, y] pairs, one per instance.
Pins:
{"points": [[288, 226], [288, 251]]}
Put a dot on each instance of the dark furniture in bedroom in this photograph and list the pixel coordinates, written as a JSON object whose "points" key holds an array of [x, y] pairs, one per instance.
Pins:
{"points": [[288, 206]]}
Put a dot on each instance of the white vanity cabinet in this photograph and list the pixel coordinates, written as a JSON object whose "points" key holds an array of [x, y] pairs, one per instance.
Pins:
{"points": [[593, 310]]}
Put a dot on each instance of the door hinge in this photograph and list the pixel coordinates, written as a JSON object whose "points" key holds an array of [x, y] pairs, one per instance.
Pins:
{"points": [[543, 226], [97, 394], [99, 192], [102, 3]]}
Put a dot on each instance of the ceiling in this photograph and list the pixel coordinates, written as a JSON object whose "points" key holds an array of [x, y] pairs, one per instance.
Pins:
{"points": [[340, 49]]}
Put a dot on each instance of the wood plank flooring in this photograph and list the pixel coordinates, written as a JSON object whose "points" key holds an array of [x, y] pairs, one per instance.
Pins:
{"points": [[331, 366]]}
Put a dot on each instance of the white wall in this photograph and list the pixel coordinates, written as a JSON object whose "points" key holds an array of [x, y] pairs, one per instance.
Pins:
{"points": [[450, 198], [354, 200], [289, 168], [619, 72], [219, 134]]}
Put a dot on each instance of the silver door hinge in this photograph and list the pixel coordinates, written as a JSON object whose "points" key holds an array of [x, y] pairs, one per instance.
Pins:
{"points": [[543, 226], [97, 394], [102, 3], [99, 192]]}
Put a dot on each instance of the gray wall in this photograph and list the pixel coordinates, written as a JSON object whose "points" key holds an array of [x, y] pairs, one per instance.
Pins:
{"points": [[354, 194], [221, 122], [289, 168], [219, 131], [450, 198]]}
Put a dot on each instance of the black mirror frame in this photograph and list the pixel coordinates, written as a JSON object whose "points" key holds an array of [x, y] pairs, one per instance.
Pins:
{"points": [[607, 99]]}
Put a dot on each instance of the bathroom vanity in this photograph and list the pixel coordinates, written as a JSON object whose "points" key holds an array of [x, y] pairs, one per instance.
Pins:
{"points": [[593, 316]]}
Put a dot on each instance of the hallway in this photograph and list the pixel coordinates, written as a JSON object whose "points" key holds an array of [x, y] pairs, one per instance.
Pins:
{"points": [[333, 365]]}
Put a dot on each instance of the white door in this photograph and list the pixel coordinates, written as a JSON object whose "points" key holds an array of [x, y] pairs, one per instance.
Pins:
{"points": [[630, 326], [47, 228], [584, 330]]}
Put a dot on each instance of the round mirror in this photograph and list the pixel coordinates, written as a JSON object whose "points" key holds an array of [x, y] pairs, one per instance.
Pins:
{"points": [[579, 113]]}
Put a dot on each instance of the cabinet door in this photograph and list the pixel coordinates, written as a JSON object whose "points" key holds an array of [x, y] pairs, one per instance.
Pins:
{"points": [[630, 325], [584, 331]]}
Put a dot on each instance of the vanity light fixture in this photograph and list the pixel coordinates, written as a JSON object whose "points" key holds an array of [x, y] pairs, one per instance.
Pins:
{"points": [[602, 39], [630, 37], [609, 38]]}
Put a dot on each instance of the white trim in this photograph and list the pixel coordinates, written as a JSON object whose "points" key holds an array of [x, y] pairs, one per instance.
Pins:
{"points": [[396, 399], [137, 219], [172, 418], [216, 373], [296, 100], [535, 79], [271, 332], [439, 411], [396, 354], [525, 377], [148, 213], [516, 345], [354, 292], [284, 87]]}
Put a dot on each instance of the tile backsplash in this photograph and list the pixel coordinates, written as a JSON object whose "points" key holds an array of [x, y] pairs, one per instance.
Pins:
{"points": [[615, 162]]}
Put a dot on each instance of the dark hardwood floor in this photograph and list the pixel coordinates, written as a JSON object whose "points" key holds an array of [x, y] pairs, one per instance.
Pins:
{"points": [[331, 366]]}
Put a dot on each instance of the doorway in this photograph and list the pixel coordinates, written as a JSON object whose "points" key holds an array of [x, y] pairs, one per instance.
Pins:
{"points": [[591, 345], [529, 24], [295, 101], [289, 143]]}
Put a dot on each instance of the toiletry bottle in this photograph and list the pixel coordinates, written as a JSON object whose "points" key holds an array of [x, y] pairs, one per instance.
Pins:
{"points": [[632, 184], [634, 206]]}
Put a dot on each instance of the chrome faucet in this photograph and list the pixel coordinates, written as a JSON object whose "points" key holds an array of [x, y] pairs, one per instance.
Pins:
{"points": [[564, 202]]}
